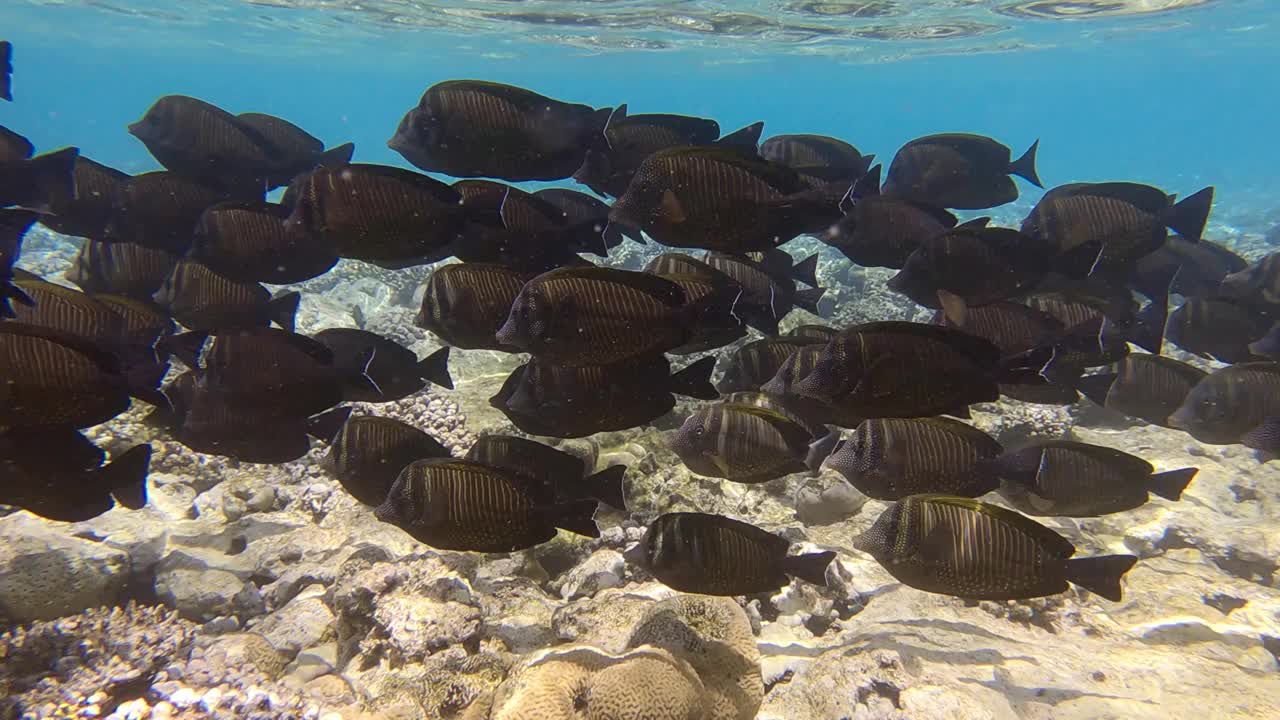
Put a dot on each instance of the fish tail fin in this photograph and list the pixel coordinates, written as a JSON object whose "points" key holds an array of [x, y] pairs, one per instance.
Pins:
{"points": [[717, 308], [1032, 366], [596, 126], [867, 162], [1189, 216], [577, 516], [820, 450], [1025, 166], [337, 156], [1096, 387], [325, 426], [607, 486], [10, 292], [1170, 484], [811, 567], [1265, 439], [747, 138], [366, 362], [695, 380], [765, 322], [978, 222], [126, 476], [808, 299], [1100, 575], [143, 381], [283, 309], [435, 368], [184, 346], [806, 271]]}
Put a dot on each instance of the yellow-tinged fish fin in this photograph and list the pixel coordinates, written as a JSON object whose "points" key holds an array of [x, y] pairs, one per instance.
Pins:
{"points": [[672, 210], [953, 306]]}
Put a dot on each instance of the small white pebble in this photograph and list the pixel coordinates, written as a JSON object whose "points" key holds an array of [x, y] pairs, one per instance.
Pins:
{"points": [[331, 716], [210, 699], [162, 711], [97, 698], [184, 698], [91, 711]]}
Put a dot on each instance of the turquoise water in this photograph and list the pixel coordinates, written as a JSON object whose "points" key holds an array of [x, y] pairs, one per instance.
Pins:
{"points": [[1179, 98]]}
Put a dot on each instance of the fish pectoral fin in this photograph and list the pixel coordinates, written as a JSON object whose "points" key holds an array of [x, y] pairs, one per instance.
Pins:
{"points": [[672, 209]]}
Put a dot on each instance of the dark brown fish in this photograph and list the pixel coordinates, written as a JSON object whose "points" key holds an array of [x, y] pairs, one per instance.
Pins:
{"points": [[160, 209], [955, 170], [1073, 479], [711, 331], [88, 205], [54, 378], [1269, 345], [969, 549], [463, 505], [541, 398], [381, 214], [368, 453], [58, 474], [512, 227], [1094, 228], [465, 304], [1218, 328], [296, 150], [1016, 328], [1259, 283], [249, 242], [716, 555], [720, 199], [67, 310], [1148, 387], [32, 183], [586, 216], [749, 443], [767, 297], [1197, 268], [1228, 404], [818, 158], [756, 363], [121, 268], [891, 458], [793, 370], [882, 230], [145, 327], [598, 316], [977, 265], [202, 299], [14, 225], [395, 371], [565, 474], [472, 128]]}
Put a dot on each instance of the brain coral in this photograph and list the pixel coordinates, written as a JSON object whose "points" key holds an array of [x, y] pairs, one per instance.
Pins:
{"points": [[714, 636]]}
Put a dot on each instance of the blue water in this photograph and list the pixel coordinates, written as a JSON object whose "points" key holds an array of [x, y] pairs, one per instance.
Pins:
{"points": [[1180, 99]]}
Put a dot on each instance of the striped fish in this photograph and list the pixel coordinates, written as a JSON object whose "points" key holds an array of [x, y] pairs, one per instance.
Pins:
{"points": [[756, 363], [716, 555], [67, 310], [87, 209], [368, 453], [1148, 387], [250, 243], [565, 474], [464, 505], [202, 299], [748, 443], [465, 304], [1230, 402], [891, 458], [972, 550], [160, 209], [1260, 282], [120, 268]]}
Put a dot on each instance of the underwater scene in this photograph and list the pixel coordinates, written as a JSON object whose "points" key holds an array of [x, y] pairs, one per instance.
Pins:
{"points": [[639, 359]]}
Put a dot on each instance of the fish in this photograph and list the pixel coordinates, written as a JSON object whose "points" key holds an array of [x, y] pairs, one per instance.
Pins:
{"points": [[1198, 268], [14, 225], [672, 263], [58, 474], [756, 363], [395, 371], [70, 311], [202, 141], [203, 418], [748, 443], [56, 378], [977, 551], [767, 297], [1148, 387], [6, 70], [389, 216], [598, 316], [1218, 328], [1269, 345], [202, 299], [296, 150], [85, 209], [718, 199], [717, 555], [631, 138], [891, 458], [160, 209], [1228, 404], [879, 230], [585, 216], [121, 268], [1090, 335], [961, 171], [32, 183], [1015, 328], [465, 304], [819, 159], [249, 242], [542, 398], [531, 233], [473, 128], [711, 331], [453, 504], [791, 372], [976, 265], [903, 369], [1097, 227], [565, 474], [816, 333], [368, 452], [1258, 283], [145, 327], [1064, 478]]}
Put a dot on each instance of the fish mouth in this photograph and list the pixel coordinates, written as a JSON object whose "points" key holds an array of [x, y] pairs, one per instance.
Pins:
{"points": [[138, 130]]}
